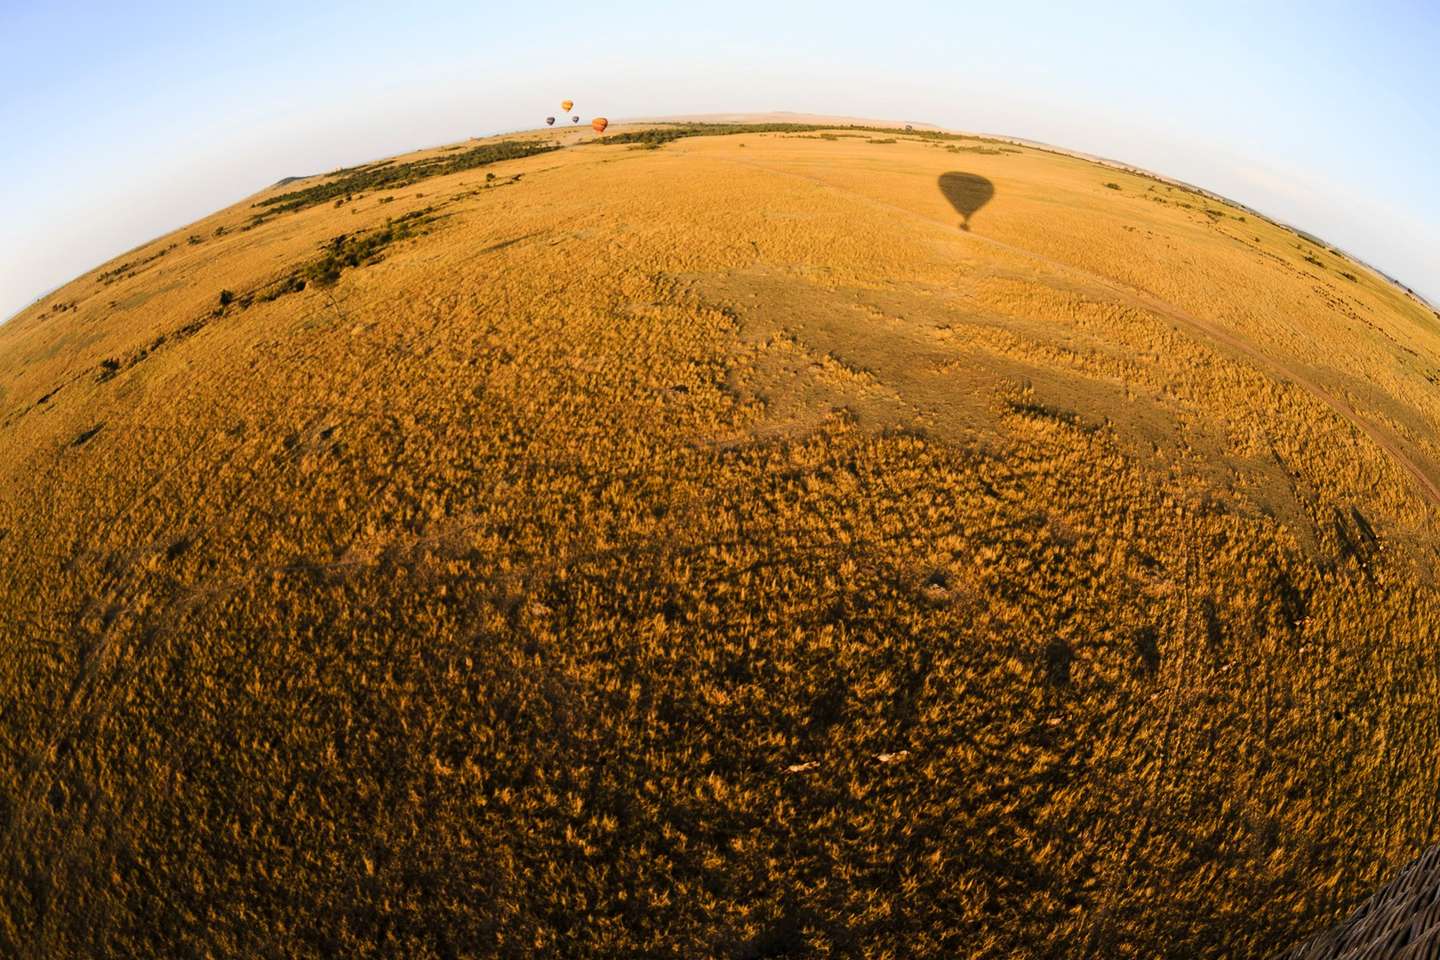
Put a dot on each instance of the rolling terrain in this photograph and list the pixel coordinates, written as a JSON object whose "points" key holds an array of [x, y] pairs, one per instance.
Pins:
{"points": [[782, 540]]}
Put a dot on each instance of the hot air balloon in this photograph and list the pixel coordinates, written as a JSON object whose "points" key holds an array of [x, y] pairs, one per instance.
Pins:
{"points": [[574, 119], [599, 124], [566, 105], [549, 121]]}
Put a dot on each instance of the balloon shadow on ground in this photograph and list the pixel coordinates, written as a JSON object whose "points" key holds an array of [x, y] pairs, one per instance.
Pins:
{"points": [[967, 193]]}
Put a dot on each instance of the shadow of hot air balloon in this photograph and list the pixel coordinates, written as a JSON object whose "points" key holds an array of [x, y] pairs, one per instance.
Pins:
{"points": [[967, 193]]}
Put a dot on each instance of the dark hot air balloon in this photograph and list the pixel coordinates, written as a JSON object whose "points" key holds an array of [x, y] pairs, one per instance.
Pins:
{"points": [[566, 105], [599, 124], [574, 119], [549, 121]]}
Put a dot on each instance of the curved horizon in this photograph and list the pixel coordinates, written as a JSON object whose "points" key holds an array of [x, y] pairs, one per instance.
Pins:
{"points": [[839, 122], [127, 124]]}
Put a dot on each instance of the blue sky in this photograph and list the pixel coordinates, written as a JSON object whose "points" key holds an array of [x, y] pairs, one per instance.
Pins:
{"points": [[124, 122]]}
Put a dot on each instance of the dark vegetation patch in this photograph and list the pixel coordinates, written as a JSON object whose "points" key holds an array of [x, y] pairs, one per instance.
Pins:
{"points": [[981, 148], [666, 133], [344, 252], [511, 242], [1214, 628], [109, 367], [1146, 643], [1034, 410], [1112, 185], [85, 436], [1355, 538], [491, 182], [657, 136], [1057, 659], [131, 267], [390, 175]]}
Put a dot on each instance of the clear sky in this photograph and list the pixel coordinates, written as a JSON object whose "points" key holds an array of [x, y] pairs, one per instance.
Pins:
{"points": [[123, 121]]}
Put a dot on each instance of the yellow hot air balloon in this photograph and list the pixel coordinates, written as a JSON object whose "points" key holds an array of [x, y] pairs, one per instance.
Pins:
{"points": [[599, 124], [566, 105]]}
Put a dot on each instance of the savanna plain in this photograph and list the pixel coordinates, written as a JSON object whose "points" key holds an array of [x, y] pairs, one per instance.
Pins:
{"points": [[754, 541]]}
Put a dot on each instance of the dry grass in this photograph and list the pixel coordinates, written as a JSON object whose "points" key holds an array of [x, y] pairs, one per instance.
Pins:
{"points": [[714, 551]]}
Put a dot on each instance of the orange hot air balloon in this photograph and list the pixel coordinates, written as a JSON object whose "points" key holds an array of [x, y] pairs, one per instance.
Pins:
{"points": [[599, 124], [566, 105]]}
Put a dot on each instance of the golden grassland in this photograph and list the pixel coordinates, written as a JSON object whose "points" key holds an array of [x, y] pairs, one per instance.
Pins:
{"points": [[713, 550]]}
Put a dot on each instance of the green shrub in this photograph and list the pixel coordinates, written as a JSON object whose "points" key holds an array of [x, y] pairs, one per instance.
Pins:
{"points": [[388, 174]]}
